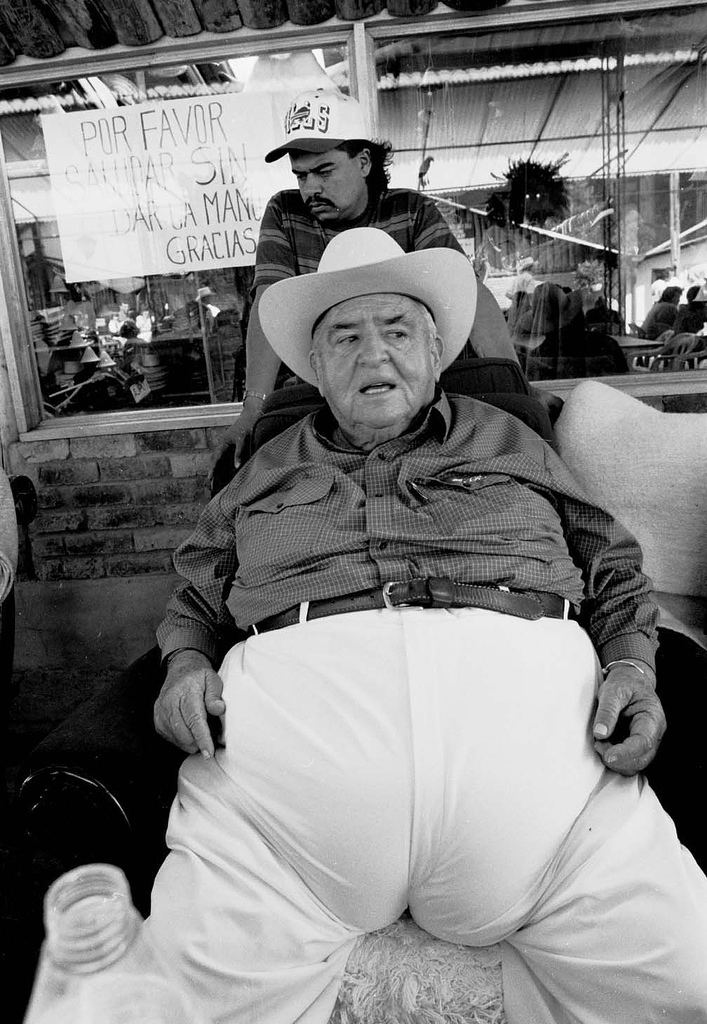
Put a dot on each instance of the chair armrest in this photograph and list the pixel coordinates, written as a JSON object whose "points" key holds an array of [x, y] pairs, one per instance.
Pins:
{"points": [[100, 785]]}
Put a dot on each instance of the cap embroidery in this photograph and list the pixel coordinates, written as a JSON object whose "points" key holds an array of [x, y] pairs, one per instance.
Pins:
{"points": [[303, 118]]}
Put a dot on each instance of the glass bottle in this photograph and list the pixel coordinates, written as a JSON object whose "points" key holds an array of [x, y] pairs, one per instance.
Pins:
{"points": [[96, 964]]}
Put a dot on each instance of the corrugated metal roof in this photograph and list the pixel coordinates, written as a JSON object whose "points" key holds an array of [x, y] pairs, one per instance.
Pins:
{"points": [[475, 129]]}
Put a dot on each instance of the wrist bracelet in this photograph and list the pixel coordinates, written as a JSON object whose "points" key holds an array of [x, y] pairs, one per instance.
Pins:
{"points": [[622, 661], [254, 394]]}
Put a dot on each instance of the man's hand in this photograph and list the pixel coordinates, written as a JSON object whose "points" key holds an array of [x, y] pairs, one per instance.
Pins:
{"points": [[191, 691], [263, 365], [552, 403], [230, 455], [628, 698]]}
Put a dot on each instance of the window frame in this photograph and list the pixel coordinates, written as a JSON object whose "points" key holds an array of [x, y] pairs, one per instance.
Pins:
{"points": [[360, 39], [522, 17]]}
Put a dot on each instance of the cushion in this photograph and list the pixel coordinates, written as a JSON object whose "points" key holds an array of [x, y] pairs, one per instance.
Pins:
{"points": [[649, 469], [403, 975]]}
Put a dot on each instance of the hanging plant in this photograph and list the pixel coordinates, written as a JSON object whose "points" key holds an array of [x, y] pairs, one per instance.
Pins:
{"points": [[535, 193], [588, 274]]}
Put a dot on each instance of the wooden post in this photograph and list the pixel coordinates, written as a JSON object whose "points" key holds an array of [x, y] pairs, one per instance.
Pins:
{"points": [[21, 407], [82, 22], [675, 254], [8, 420], [410, 8], [133, 21], [474, 5], [309, 12], [25, 22], [7, 53], [263, 13], [219, 15], [178, 17], [353, 10]]}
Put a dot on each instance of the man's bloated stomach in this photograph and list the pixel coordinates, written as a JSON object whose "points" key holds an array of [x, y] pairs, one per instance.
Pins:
{"points": [[436, 759]]}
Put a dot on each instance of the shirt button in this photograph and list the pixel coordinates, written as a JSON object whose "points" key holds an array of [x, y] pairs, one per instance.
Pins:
{"points": [[382, 456]]}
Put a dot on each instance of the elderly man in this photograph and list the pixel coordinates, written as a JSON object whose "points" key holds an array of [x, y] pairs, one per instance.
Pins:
{"points": [[342, 183], [412, 722]]}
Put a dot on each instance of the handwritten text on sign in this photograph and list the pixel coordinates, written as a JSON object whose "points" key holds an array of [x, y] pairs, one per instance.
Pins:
{"points": [[164, 187]]}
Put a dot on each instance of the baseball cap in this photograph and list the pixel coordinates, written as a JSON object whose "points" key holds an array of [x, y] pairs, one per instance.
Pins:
{"points": [[318, 120]]}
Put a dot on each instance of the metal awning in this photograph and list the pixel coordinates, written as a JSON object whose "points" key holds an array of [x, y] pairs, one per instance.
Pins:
{"points": [[476, 128]]}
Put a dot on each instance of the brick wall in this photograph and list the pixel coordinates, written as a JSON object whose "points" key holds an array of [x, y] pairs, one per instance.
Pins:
{"points": [[115, 505], [96, 564]]}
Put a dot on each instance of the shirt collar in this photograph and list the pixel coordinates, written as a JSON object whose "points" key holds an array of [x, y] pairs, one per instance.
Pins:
{"points": [[435, 420]]}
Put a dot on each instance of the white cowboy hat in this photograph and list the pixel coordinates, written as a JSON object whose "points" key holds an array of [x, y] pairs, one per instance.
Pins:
{"points": [[318, 120], [367, 261]]}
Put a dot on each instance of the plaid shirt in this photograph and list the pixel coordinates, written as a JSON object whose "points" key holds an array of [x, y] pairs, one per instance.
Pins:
{"points": [[471, 494], [291, 241]]}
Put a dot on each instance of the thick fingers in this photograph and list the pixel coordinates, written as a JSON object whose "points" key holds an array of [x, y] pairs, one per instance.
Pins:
{"points": [[171, 726], [193, 715], [215, 706], [213, 688], [180, 713], [628, 757], [629, 723]]}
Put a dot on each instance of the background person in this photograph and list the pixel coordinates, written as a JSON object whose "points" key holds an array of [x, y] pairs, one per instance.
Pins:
{"points": [[343, 182], [396, 739], [692, 316], [662, 314]]}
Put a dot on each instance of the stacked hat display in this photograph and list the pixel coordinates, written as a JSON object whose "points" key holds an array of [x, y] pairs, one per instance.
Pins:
{"points": [[78, 357], [154, 372]]}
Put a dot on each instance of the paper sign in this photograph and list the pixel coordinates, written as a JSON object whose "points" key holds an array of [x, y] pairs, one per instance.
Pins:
{"points": [[141, 389], [169, 186]]}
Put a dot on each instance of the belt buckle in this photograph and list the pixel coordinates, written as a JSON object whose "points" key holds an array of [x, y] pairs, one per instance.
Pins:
{"points": [[426, 592]]}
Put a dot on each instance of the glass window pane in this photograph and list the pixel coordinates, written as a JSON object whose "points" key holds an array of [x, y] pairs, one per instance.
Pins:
{"points": [[137, 198], [570, 160]]}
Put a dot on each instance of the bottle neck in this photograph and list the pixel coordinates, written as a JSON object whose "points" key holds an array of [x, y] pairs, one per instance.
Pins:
{"points": [[89, 918]]}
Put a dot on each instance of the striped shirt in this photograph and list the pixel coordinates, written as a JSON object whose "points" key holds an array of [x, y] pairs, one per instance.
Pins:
{"points": [[470, 493], [291, 241]]}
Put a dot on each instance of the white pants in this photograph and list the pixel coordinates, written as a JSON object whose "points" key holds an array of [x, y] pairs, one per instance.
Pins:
{"points": [[439, 760]]}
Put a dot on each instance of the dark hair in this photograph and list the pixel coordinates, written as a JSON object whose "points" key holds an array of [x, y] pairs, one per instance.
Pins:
{"points": [[671, 294], [692, 292], [381, 158]]}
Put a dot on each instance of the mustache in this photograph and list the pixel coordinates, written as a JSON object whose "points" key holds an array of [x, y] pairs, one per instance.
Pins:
{"points": [[315, 201]]}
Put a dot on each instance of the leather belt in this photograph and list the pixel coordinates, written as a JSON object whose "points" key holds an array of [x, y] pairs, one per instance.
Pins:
{"points": [[428, 592]]}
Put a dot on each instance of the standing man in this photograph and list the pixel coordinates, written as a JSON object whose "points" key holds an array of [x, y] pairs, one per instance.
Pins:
{"points": [[342, 182]]}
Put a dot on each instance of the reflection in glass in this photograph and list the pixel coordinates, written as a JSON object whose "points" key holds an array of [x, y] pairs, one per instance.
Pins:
{"points": [[114, 326], [570, 160]]}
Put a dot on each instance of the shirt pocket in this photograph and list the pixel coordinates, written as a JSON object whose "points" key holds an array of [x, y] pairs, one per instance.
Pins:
{"points": [[457, 501], [305, 492], [451, 484]]}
